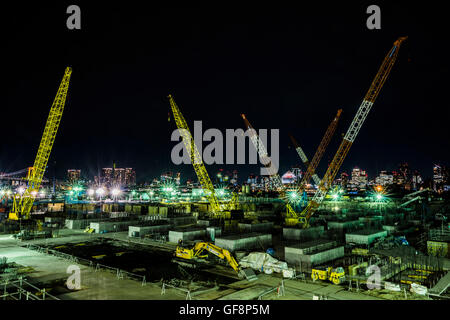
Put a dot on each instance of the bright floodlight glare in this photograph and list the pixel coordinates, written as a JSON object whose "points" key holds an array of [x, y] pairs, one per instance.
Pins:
{"points": [[335, 196], [91, 192], [100, 191], [21, 190], [115, 192], [34, 193], [379, 196]]}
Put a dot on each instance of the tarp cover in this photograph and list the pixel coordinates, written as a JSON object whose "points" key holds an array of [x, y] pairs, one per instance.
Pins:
{"points": [[263, 262]]}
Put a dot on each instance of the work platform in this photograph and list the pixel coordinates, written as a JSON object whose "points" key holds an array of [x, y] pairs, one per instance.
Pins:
{"points": [[305, 255], [246, 241]]}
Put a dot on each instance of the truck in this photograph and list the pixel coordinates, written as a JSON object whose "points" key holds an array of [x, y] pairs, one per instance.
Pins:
{"points": [[337, 275]]}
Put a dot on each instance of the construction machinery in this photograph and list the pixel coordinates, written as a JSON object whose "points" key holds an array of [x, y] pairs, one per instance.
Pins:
{"points": [[304, 158], [352, 132], [274, 177], [312, 166], [218, 210], [23, 204], [196, 254], [337, 275]]}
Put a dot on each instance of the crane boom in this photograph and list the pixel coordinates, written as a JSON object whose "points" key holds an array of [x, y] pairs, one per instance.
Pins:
{"points": [[353, 130], [273, 176], [259, 146], [196, 159], [36, 173], [310, 171], [302, 156]]}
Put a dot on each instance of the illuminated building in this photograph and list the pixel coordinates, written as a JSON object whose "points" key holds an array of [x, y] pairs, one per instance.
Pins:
{"points": [[73, 175], [385, 178], [288, 178], [359, 179], [107, 176], [438, 177]]}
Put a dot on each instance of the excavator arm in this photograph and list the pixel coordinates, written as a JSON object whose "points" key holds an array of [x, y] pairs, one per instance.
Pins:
{"points": [[217, 251]]}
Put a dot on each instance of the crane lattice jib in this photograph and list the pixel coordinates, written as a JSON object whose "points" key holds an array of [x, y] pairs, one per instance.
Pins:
{"points": [[196, 159], [310, 171], [304, 159], [265, 159], [273, 175], [353, 130], [36, 173]]}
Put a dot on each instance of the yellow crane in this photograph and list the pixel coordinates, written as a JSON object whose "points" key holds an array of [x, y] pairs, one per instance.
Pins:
{"points": [[22, 206], [218, 210], [195, 253], [352, 132], [312, 166], [274, 177], [292, 217]]}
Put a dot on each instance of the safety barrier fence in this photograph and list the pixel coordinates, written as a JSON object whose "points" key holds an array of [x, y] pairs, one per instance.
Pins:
{"points": [[22, 293], [166, 285], [120, 273]]}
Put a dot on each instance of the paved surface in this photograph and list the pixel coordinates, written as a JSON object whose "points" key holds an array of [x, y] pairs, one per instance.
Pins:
{"points": [[95, 285], [442, 285], [104, 285]]}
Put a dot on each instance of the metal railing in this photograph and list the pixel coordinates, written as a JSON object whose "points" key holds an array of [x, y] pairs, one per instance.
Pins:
{"points": [[120, 273], [22, 293]]}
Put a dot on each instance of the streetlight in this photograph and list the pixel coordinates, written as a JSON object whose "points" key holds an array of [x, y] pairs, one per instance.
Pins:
{"points": [[115, 193], [100, 192]]}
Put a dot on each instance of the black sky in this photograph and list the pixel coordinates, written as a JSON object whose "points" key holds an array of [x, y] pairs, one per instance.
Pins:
{"points": [[284, 66]]}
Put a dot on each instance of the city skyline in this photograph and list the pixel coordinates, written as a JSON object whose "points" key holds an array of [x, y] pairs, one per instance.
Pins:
{"points": [[268, 71]]}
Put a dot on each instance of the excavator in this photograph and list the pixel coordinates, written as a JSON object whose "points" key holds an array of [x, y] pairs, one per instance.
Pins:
{"points": [[197, 254]]}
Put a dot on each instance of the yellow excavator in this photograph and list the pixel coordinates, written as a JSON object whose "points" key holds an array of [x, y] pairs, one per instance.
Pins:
{"points": [[196, 254], [337, 276]]}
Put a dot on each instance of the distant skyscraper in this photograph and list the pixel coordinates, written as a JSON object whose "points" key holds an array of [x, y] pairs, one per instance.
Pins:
{"points": [[73, 175], [385, 178], [234, 180], [344, 180], [167, 177], [107, 176], [359, 178], [438, 177], [416, 180]]}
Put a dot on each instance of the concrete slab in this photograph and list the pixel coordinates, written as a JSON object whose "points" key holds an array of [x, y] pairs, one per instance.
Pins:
{"points": [[365, 237], [302, 234], [186, 235], [246, 241]]}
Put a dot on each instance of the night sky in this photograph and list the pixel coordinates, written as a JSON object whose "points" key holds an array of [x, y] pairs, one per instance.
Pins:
{"points": [[285, 67]]}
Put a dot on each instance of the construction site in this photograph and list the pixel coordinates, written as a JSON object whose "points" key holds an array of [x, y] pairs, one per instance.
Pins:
{"points": [[298, 243]]}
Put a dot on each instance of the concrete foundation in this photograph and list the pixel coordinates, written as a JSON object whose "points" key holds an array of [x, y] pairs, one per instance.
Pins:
{"points": [[186, 235], [178, 221], [244, 241], [137, 231], [255, 227], [79, 223], [213, 232], [302, 234], [364, 237], [109, 226], [306, 255], [345, 225], [390, 229]]}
